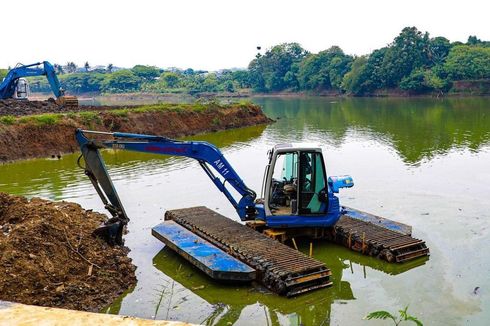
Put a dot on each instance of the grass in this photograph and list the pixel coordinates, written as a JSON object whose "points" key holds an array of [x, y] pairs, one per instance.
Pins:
{"points": [[47, 119], [89, 117], [123, 113], [215, 122], [8, 120]]}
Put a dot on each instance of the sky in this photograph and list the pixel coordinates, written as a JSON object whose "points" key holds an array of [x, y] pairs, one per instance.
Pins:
{"points": [[217, 34]]}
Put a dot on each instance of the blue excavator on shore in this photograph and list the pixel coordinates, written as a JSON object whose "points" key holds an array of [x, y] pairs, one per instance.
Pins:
{"points": [[15, 85]]}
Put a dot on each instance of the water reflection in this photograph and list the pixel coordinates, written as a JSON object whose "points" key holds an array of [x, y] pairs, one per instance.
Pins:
{"points": [[310, 309], [417, 129], [56, 179], [230, 301]]}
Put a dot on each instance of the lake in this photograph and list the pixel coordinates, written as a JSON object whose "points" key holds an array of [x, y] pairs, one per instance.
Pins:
{"points": [[423, 162]]}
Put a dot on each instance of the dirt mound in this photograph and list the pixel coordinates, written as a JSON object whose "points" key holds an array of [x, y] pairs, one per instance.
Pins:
{"points": [[21, 108], [48, 256]]}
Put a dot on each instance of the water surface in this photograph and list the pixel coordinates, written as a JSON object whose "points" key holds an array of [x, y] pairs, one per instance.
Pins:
{"points": [[423, 162]]}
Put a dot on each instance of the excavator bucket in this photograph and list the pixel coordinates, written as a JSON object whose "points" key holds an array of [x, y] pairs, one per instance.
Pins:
{"points": [[67, 101], [111, 231]]}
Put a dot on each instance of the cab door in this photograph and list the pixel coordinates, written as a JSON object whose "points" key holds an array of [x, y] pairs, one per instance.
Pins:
{"points": [[312, 184], [282, 186]]}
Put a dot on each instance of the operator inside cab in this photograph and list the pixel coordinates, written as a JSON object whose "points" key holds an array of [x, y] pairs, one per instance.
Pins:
{"points": [[298, 185]]}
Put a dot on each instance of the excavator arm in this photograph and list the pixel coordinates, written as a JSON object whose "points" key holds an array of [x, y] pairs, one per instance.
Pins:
{"points": [[205, 153]]}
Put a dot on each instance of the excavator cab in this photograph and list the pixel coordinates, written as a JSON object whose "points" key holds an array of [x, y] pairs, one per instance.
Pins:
{"points": [[296, 189], [22, 89]]}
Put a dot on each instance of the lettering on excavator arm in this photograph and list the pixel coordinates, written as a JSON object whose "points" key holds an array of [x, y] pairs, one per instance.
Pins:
{"points": [[221, 167]]}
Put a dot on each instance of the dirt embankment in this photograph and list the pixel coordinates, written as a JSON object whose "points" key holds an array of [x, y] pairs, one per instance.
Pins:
{"points": [[49, 257], [49, 134], [23, 108]]}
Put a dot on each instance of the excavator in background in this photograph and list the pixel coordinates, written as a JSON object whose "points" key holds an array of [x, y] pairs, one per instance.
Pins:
{"points": [[15, 86], [298, 200]]}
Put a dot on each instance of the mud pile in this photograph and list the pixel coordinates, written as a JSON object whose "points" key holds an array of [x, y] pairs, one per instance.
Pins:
{"points": [[22, 108], [48, 256]]}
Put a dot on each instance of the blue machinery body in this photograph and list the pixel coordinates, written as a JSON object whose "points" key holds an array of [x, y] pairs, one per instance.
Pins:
{"points": [[8, 86], [298, 200], [320, 208]]}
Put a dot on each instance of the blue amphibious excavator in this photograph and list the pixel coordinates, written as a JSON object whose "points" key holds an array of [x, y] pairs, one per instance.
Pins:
{"points": [[15, 86], [298, 200], [297, 192]]}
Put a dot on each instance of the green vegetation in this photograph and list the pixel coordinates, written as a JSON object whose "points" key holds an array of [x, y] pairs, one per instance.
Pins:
{"points": [[3, 73], [413, 62], [403, 316], [7, 120], [89, 117], [468, 62], [46, 119]]}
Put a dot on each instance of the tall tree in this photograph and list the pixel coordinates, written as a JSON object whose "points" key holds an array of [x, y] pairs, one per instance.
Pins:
{"points": [[71, 67], [86, 66], [59, 69], [171, 79], [121, 81], [407, 52], [324, 70], [147, 73], [437, 50], [468, 62], [277, 69]]}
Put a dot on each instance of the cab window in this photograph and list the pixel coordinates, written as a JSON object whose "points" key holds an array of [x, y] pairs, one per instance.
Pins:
{"points": [[312, 182]]}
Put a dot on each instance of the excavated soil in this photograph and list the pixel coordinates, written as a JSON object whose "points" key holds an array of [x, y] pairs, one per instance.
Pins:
{"points": [[48, 256], [30, 139], [23, 108]]}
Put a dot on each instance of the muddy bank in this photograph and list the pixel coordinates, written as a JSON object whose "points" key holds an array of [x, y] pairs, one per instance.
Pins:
{"points": [[50, 134], [49, 257], [23, 108]]}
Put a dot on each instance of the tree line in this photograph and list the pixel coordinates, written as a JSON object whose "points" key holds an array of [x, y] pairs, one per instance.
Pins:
{"points": [[142, 78], [413, 62]]}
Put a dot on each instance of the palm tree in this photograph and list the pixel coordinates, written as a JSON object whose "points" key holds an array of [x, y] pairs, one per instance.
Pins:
{"points": [[71, 67], [59, 69]]}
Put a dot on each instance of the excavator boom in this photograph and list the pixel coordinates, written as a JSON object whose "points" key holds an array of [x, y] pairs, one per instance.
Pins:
{"points": [[205, 153]]}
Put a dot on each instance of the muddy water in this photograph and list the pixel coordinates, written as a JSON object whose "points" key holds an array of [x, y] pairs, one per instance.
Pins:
{"points": [[422, 162]]}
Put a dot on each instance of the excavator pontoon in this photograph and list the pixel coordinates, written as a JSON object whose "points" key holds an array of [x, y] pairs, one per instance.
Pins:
{"points": [[298, 199]]}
